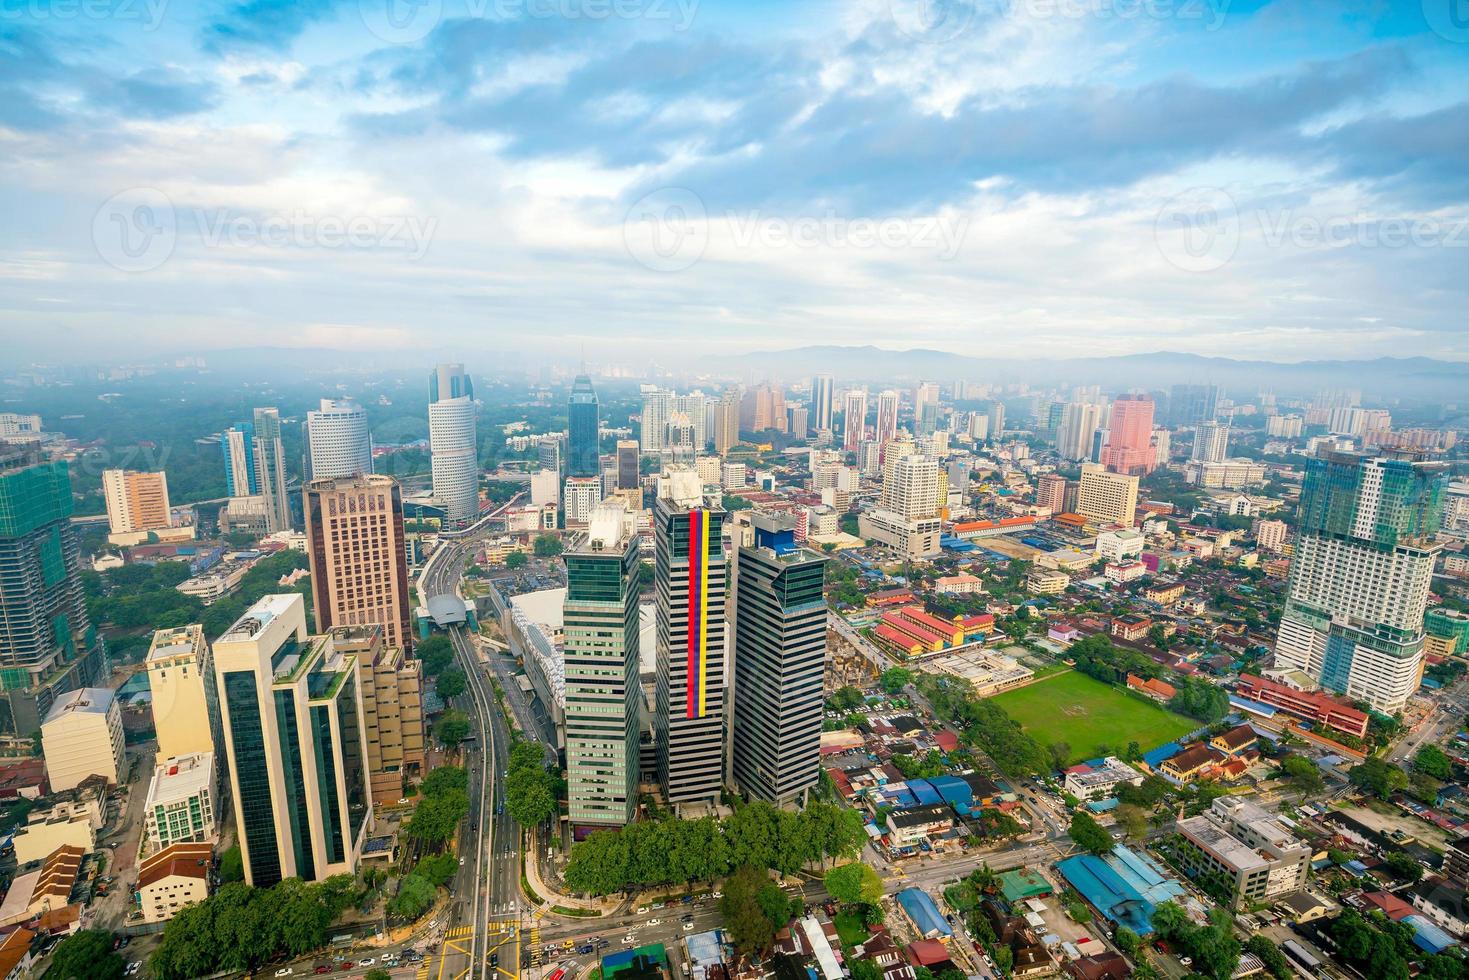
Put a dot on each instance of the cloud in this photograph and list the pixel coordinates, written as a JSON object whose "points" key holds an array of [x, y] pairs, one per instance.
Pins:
{"points": [[271, 24]]}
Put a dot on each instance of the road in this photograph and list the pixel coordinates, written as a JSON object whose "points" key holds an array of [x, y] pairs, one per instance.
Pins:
{"points": [[1445, 717]]}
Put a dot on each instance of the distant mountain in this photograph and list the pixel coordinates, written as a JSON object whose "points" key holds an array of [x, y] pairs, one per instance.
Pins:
{"points": [[1412, 378]]}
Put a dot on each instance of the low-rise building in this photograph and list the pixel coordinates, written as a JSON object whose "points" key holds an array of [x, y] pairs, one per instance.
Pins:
{"points": [[962, 584], [64, 824], [82, 736], [1047, 581], [182, 801], [175, 877], [1122, 572], [1239, 739], [1314, 706], [45, 889], [1160, 691], [1240, 840], [1131, 628], [1193, 763], [15, 954], [1120, 544], [1098, 781], [918, 823], [1164, 593]]}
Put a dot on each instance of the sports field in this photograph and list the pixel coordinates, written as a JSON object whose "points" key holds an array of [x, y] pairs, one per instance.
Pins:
{"points": [[1088, 715]]}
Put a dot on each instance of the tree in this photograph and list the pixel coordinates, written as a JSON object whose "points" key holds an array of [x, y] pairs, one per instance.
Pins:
{"points": [[436, 653], [865, 970], [451, 683], [231, 866], [844, 699], [415, 896], [516, 559], [547, 545], [438, 868], [1270, 955], [435, 818], [86, 955], [1433, 761], [1378, 777], [377, 973], [750, 929], [1127, 940], [441, 779], [1404, 865], [529, 798], [453, 728], [854, 884], [894, 679], [1090, 835], [1303, 774], [1133, 820]]}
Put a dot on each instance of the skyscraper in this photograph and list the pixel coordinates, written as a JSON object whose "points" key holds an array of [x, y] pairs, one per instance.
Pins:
{"points": [[1360, 575], [359, 569], [779, 664], [925, 393], [270, 469], [653, 420], [1191, 404], [453, 443], [798, 421], [337, 440], [727, 421], [603, 694], [583, 429], [1211, 442], [628, 465], [1079, 421], [183, 696], [822, 391], [854, 418], [238, 443], [887, 418], [291, 715], [47, 644], [135, 501], [1051, 492], [690, 575], [1129, 446]]}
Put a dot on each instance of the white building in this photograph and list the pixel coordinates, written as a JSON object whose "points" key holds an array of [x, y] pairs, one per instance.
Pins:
{"points": [[1122, 572], [1230, 474], [1119, 545], [81, 737], [1270, 535], [545, 488], [452, 442], [1211, 442], [583, 494], [1087, 782], [1284, 426], [181, 680], [337, 440], [182, 801]]}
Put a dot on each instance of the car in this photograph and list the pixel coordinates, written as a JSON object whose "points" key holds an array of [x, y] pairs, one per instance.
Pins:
{"points": [[716, 894], [687, 917], [584, 949], [569, 944], [433, 923], [323, 968], [461, 862], [132, 968], [642, 910], [655, 922], [346, 965], [687, 926], [602, 943], [628, 940], [284, 971], [688, 900], [370, 961]]}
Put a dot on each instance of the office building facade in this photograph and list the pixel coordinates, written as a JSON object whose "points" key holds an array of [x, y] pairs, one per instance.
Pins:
{"points": [[854, 418], [583, 429], [181, 682], [135, 501], [603, 694], [270, 469], [1190, 404], [887, 417], [238, 444], [1360, 575], [359, 569], [690, 575], [338, 442], [47, 644], [779, 664], [291, 713], [453, 443], [1129, 447], [823, 391], [1105, 497]]}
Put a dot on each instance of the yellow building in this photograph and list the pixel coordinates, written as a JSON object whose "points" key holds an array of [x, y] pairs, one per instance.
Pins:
{"points": [[1105, 497], [180, 676], [135, 501]]}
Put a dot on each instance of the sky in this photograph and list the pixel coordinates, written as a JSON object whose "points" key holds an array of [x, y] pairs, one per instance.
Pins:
{"points": [[639, 181]]}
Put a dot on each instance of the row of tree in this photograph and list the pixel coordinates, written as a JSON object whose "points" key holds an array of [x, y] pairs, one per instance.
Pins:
{"points": [[754, 909], [531, 790], [444, 801], [240, 928], [1198, 698], [669, 851], [1385, 950], [983, 723]]}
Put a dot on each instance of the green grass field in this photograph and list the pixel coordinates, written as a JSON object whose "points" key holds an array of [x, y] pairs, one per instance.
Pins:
{"points": [[1088, 715]]}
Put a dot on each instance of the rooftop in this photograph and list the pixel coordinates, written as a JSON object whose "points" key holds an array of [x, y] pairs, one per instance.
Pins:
{"points": [[83, 700]]}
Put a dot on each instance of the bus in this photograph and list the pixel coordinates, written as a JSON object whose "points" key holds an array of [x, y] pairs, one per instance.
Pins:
{"points": [[1300, 959]]}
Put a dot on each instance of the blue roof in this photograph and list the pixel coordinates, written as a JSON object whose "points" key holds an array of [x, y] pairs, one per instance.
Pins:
{"points": [[900, 798], [950, 543], [1123, 886], [1103, 806], [1156, 757], [953, 789], [925, 914], [1254, 707], [924, 791], [1429, 937]]}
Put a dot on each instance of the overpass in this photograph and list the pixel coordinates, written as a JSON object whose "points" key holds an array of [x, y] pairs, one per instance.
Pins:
{"points": [[437, 581]]}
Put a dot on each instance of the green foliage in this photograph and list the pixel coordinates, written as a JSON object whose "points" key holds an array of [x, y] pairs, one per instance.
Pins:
{"points": [[985, 724], [415, 897], [377, 973], [1378, 777], [667, 851], [932, 764], [1270, 954], [1097, 657], [1127, 940], [530, 789], [845, 699], [451, 683], [1089, 835], [854, 884], [443, 802], [1197, 698], [1403, 865], [440, 779], [1433, 761], [436, 653], [239, 928], [894, 679], [86, 955], [452, 728], [1214, 949], [231, 866], [547, 545], [753, 908], [1303, 774], [516, 559], [1377, 946], [438, 868], [1146, 794]]}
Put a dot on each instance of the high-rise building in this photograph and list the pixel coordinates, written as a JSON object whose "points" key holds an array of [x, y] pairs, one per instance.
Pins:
{"points": [[583, 429], [183, 697], [1079, 421], [690, 575], [1129, 446], [1191, 404], [1051, 492], [997, 419], [762, 408], [270, 469], [47, 644], [854, 418], [798, 421], [779, 664], [822, 393], [726, 422], [912, 485], [653, 422], [1360, 575], [338, 442], [135, 501], [887, 417], [548, 453], [359, 569], [238, 443], [453, 443], [924, 393], [603, 693], [291, 714], [392, 708], [582, 494], [1106, 497], [629, 474], [691, 413], [1211, 442]]}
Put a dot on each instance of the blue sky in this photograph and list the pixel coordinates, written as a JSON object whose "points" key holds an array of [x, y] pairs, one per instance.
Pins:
{"points": [[643, 178]]}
